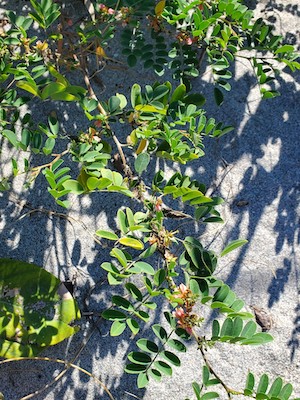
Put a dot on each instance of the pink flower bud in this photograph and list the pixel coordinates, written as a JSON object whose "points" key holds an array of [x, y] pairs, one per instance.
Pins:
{"points": [[98, 123], [179, 313], [183, 289], [189, 330], [158, 204]]}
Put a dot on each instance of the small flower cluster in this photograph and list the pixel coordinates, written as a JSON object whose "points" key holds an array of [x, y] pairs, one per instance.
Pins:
{"points": [[123, 14], [158, 204], [106, 10], [185, 318], [185, 38], [163, 239]]}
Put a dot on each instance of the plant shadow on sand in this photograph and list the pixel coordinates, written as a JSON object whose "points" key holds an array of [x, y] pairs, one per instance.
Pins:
{"points": [[64, 245]]}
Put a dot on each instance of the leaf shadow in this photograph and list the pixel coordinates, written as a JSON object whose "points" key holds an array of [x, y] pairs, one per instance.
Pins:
{"points": [[73, 250]]}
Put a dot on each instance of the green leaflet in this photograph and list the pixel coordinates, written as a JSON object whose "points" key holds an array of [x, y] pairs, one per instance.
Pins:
{"points": [[36, 309], [264, 390], [153, 361], [233, 330], [131, 242], [162, 122], [232, 246], [107, 235], [141, 162]]}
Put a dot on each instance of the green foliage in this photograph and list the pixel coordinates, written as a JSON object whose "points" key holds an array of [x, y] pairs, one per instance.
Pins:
{"points": [[162, 120], [223, 31], [133, 313], [198, 261], [232, 246], [265, 390], [275, 391], [36, 310], [45, 12], [159, 111], [56, 179], [233, 330], [155, 360]]}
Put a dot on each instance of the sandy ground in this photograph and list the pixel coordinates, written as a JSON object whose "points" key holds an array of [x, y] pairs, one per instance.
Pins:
{"points": [[255, 169]]}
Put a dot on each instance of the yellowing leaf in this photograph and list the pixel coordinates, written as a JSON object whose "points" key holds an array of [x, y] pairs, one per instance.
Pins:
{"points": [[29, 87], [100, 52], [132, 139], [107, 235], [159, 8], [149, 108], [130, 242], [42, 46], [131, 117], [142, 146]]}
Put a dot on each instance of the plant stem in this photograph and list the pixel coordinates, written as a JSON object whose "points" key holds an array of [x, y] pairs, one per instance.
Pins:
{"points": [[90, 8], [203, 51], [50, 213], [102, 111], [229, 391], [92, 93], [57, 157]]}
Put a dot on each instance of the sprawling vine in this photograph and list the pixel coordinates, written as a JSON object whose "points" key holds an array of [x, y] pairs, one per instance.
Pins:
{"points": [[163, 120]]}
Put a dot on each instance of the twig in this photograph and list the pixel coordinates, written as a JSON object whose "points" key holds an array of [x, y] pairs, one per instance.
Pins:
{"points": [[66, 363], [47, 212], [9, 84], [133, 395], [216, 185], [203, 51], [229, 391], [90, 8], [126, 167], [56, 158], [87, 81]]}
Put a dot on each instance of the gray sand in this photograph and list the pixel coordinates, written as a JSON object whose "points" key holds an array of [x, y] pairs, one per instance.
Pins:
{"points": [[255, 169]]}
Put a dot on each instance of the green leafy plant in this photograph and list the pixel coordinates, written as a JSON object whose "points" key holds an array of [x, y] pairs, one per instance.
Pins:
{"points": [[36, 310], [277, 390], [149, 260]]}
